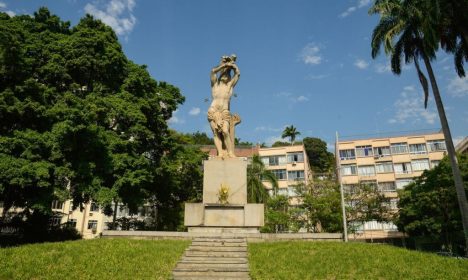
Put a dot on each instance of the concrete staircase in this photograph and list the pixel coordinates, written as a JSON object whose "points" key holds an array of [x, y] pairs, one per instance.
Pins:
{"points": [[214, 258]]}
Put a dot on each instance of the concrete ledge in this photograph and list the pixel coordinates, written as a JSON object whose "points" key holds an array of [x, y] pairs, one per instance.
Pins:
{"points": [[251, 237]]}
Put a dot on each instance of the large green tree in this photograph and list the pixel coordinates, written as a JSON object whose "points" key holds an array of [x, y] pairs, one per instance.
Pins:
{"points": [[405, 31], [77, 118], [321, 205], [428, 207], [320, 159]]}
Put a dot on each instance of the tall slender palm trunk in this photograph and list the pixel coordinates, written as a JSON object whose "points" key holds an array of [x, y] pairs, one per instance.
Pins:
{"points": [[461, 195]]}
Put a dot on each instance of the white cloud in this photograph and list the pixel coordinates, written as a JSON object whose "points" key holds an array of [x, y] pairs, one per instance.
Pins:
{"points": [[360, 4], [268, 128], [116, 13], [292, 98], [272, 139], [458, 87], [8, 12], [410, 108], [383, 68], [302, 98], [194, 111], [363, 3], [310, 54], [175, 119], [361, 64]]}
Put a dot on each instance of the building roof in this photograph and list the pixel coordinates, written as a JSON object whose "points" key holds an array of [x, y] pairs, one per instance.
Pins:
{"points": [[462, 147], [386, 135]]}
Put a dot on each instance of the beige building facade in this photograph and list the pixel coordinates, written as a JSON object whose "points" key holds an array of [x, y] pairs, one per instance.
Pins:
{"points": [[289, 164], [390, 164], [462, 147]]}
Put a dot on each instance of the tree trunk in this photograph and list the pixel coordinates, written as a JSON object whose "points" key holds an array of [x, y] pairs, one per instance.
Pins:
{"points": [[461, 195], [114, 216]]}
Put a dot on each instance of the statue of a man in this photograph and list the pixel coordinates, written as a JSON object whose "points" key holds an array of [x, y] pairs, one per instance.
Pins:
{"points": [[221, 121]]}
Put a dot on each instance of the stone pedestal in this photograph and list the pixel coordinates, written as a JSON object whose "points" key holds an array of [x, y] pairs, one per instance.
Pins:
{"points": [[211, 214]]}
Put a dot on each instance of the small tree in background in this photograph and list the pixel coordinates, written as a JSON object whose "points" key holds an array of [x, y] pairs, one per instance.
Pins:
{"points": [[366, 203]]}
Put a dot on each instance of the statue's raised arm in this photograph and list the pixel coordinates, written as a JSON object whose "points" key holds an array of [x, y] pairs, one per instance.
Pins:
{"points": [[221, 121]]}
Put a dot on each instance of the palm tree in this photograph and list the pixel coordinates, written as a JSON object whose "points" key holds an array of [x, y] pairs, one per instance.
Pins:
{"points": [[452, 26], [256, 172], [405, 31], [291, 132]]}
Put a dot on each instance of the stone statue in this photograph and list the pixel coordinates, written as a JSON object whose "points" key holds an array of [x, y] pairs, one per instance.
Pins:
{"points": [[221, 120]]}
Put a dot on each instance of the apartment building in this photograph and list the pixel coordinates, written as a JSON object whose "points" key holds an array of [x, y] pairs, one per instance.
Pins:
{"points": [[90, 221], [462, 147], [390, 163], [290, 166]]}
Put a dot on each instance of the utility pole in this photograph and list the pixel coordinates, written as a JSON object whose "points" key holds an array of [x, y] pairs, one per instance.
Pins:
{"points": [[338, 172]]}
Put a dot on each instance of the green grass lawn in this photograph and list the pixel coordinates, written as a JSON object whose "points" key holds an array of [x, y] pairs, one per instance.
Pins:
{"points": [[330, 260], [146, 259], [92, 259]]}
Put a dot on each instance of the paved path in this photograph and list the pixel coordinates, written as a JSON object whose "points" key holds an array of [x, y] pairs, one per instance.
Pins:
{"points": [[214, 258]]}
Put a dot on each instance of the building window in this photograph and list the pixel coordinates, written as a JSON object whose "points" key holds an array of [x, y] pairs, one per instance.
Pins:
{"points": [[94, 207], [402, 183], [372, 183], [417, 149], [292, 191], [283, 191], [399, 148], [347, 154], [295, 157], [57, 205], [349, 189], [72, 223], [402, 168], [349, 169], [382, 151], [387, 186], [274, 160], [55, 221], [92, 224], [280, 174], [366, 170], [420, 164], [394, 203], [434, 163], [436, 145], [384, 167], [296, 175], [364, 151]]}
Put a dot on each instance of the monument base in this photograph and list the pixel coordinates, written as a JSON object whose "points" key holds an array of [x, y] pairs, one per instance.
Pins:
{"points": [[224, 215], [221, 230], [237, 213]]}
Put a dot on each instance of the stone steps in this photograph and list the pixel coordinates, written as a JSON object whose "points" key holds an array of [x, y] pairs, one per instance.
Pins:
{"points": [[214, 258]]}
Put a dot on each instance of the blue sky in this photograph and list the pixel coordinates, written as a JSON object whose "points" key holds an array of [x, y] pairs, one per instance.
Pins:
{"points": [[305, 63]]}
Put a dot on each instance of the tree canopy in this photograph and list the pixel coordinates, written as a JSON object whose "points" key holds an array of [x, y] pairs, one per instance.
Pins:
{"points": [[428, 207], [320, 159], [77, 118], [291, 132]]}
